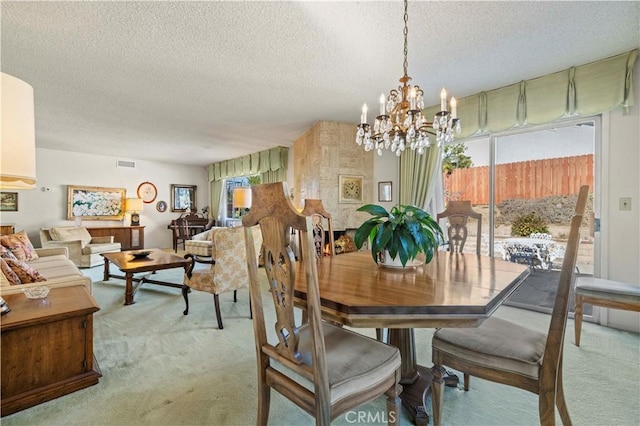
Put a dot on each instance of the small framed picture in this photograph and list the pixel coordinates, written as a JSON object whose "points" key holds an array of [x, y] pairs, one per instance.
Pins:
{"points": [[161, 206], [384, 191], [9, 201]]}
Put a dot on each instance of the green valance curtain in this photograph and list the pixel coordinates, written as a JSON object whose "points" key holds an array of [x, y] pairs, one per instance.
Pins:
{"points": [[270, 160], [270, 164], [578, 91]]}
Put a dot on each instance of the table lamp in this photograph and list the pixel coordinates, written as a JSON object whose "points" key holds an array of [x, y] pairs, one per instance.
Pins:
{"points": [[135, 206], [241, 199], [18, 168]]}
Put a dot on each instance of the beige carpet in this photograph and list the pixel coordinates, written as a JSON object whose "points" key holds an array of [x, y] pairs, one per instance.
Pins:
{"points": [[163, 368]]}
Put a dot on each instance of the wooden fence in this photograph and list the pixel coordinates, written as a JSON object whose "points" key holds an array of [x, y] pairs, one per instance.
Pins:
{"points": [[526, 179]]}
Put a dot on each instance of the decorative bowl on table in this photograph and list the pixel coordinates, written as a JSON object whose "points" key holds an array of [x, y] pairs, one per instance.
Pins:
{"points": [[140, 254], [39, 292]]}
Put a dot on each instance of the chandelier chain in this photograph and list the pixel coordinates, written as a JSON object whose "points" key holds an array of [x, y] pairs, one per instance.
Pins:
{"points": [[406, 33]]}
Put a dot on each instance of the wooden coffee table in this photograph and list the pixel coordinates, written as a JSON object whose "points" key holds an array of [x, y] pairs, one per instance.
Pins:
{"points": [[156, 261]]}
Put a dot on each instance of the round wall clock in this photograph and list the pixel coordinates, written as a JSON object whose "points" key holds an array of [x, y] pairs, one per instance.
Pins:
{"points": [[161, 206], [148, 192]]}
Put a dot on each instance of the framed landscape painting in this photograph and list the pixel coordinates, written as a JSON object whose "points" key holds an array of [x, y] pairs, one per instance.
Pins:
{"points": [[9, 201], [95, 203]]}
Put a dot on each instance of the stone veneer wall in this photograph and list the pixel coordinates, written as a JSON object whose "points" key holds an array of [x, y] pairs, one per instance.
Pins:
{"points": [[327, 150]]}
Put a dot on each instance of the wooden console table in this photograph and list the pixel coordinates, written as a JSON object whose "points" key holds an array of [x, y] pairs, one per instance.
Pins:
{"points": [[129, 237], [47, 347]]}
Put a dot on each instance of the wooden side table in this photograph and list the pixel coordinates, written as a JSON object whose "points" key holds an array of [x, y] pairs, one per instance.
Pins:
{"points": [[7, 229], [47, 347]]}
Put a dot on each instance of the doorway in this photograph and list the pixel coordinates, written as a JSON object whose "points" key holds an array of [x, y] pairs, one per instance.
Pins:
{"points": [[525, 183]]}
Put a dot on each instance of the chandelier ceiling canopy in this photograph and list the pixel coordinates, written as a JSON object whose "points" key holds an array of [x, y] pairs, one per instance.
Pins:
{"points": [[401, 121]]}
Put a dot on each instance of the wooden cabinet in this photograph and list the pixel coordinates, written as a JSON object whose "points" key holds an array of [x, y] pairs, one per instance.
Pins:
{"points": [[129, 237], [7, 229], [47, 347]]}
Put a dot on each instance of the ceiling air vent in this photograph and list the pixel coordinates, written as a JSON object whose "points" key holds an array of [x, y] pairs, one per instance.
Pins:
{"points": [[126, 163]]}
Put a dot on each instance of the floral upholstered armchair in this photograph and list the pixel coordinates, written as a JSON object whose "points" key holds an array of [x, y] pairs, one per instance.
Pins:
{"points": [[225, 271]]}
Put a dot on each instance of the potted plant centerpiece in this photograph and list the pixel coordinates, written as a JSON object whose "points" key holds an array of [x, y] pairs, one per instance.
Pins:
{"points": [[399, 234]]}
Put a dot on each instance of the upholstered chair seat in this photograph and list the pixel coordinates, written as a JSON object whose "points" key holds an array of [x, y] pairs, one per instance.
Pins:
{"points": [[496, 344]]}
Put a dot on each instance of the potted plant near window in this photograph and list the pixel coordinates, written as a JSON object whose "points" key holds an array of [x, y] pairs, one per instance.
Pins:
{"points": [[400, 234]]}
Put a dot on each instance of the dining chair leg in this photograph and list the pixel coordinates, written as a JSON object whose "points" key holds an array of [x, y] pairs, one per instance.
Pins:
{"points": [[393, 403], [185, 292], [560, 402], [577, 324], [547, 407], [437, 393], [216, 301], [264, 400]]}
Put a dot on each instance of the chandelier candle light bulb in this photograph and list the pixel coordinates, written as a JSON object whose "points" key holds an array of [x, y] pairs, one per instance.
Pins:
{"points": [[401, 121]]}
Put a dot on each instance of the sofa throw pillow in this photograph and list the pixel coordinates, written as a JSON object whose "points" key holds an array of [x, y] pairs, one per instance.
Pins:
{"points": [[5, 252], [70, 233], [25, 273], [20, 246], [11, 276]]}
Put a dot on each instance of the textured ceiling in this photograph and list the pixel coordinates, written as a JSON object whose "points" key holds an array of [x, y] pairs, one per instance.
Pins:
{"points": [[199, 82]]}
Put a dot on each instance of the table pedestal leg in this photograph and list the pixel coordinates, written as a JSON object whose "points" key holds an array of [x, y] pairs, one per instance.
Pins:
{"points": [[414, 378]]}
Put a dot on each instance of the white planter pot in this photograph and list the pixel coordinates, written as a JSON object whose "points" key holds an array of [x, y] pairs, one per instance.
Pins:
{"points": [[389, 262]]}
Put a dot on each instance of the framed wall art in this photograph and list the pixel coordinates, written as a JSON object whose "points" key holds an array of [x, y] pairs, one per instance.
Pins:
{"points": [[384, 191], [350, 189], [95, 203], [9, 201], [183, 198]]}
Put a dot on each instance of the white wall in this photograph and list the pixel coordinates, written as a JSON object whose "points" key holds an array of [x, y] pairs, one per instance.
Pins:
{"points": [[57, 169], [622, 138]]}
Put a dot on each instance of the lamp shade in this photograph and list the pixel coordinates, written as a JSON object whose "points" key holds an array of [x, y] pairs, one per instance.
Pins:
{"points": [[134, 205], [242, 198], [18, 140]]}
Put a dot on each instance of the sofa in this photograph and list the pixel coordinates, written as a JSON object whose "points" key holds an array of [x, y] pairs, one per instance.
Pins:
{"points": [[84, 250], [57, 269]]}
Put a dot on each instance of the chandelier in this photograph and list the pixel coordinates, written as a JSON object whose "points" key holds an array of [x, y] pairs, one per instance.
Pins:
{"points": [[401, 121]]}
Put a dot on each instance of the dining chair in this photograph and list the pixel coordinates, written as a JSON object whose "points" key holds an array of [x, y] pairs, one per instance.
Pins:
{"points": [[506, 353], [324, 369], [182, 232], [458, 213], [315, 209]]}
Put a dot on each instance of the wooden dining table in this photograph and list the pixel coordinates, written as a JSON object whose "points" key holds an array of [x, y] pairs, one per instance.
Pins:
{"points": [[453, 290]]}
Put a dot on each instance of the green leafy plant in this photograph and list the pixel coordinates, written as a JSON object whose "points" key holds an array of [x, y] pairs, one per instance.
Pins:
{"points": [[454, 158], [404, 232], [526, 224]]}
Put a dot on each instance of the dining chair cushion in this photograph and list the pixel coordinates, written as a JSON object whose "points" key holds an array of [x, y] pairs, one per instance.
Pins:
{"points": [[611, 290], [495, 344], [354, 361]]}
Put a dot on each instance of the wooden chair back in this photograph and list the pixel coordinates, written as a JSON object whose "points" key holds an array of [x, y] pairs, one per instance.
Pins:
{"points": [[315, 209], [277, 216], [458, 213]]}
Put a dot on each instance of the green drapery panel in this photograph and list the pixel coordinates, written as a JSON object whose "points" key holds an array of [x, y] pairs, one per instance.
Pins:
{"points": [[579, 91], [274, 159], [418, 175], [216, 193]]}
